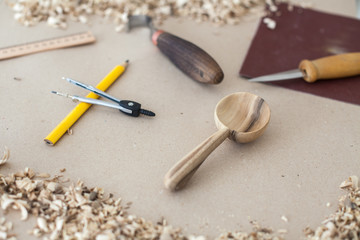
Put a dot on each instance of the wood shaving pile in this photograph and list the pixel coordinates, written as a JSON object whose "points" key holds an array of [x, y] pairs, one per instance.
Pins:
{"points": [[259, 233], [74, 211], [345, 223], [65, 210], [78, 212], [56, 13]]}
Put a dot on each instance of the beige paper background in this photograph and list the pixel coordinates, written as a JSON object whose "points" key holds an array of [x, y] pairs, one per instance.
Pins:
{"points": [[311, 145]]}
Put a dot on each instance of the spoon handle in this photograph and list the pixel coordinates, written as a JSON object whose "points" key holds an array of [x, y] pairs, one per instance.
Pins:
{"points": [[182, 171]]}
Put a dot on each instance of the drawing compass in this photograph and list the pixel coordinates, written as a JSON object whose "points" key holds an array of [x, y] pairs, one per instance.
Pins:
{"points": [[128, 107]]}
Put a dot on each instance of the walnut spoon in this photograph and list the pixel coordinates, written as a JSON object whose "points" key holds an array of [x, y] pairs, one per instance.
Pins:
{"points": [[242, 117]]}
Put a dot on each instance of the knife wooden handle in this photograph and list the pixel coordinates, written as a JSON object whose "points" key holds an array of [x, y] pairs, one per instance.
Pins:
{"points": [[189, 58], [342, 65]]}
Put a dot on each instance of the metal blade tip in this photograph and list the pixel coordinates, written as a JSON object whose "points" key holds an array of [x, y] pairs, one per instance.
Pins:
{"points": [[292, 74]]}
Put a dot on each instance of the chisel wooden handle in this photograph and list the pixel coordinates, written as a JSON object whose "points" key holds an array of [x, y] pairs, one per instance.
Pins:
{"points": [[189, 58], [342, 65]]}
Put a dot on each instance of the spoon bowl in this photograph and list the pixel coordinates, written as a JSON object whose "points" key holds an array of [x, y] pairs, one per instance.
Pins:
{"points": [[242, 117], [245, 114]]}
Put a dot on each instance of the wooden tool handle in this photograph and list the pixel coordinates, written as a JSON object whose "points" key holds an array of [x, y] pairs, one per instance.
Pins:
{"points": [[189, 58], [342, 65], [182, 171]]}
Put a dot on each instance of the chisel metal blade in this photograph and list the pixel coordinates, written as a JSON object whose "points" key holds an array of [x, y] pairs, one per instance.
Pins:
{"points": [[296, 73]]}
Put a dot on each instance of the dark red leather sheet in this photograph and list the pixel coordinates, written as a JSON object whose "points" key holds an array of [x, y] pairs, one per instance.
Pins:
{"points": [[304, 34]]}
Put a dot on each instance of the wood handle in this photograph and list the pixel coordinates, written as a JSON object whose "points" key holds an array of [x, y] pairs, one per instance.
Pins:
{"points": [[342, 65], [182, 171], [189, 58]]}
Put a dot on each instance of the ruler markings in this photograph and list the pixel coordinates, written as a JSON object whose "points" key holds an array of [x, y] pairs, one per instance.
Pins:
{"points": [[45, 45]]}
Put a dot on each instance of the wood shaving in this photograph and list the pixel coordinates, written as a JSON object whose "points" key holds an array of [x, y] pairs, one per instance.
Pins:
{"points": [[5, 156], [258, 233], [57, 13], [270, 23], [5, 228], [345, 223], [74, 211], [285, 219], [69, 131]]}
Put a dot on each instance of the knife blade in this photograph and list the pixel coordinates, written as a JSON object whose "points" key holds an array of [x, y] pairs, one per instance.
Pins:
{"points": [[336, 66]]}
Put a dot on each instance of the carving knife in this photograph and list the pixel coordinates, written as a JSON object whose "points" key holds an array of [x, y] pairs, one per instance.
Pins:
{"points": [[336, 66]]}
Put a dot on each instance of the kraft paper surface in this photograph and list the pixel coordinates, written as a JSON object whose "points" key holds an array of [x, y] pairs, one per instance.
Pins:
{"points": [[310, 146]]}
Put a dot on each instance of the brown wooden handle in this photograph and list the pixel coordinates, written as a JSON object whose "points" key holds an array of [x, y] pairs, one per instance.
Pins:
{"points": [[182, 171], [342, 65], [189, 58]]}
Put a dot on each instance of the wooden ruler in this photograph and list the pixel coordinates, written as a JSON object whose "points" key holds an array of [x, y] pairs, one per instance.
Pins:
{"points": [[46, 45]]}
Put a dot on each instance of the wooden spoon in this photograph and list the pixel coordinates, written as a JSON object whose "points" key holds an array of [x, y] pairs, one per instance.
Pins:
{"points": [[242, 117]]}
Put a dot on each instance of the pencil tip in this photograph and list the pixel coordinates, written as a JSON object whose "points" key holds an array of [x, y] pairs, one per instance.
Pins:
{"points": [[126, 63]]}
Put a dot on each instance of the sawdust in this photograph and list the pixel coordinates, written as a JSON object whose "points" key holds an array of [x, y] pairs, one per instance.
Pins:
{"points": [[68, 210], [65, 210], [345, 222], [218, 12]]}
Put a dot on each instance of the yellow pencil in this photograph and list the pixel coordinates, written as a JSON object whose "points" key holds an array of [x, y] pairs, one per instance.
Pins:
{"points": [[82, 107]]}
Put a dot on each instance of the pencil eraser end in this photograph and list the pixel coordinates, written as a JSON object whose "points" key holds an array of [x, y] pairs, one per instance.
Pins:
{"points": [[48, 142]]}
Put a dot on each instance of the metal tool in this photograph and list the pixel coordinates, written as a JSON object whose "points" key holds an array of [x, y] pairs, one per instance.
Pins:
{"points": [[128, 107], [337, 66], [186, 56]]}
